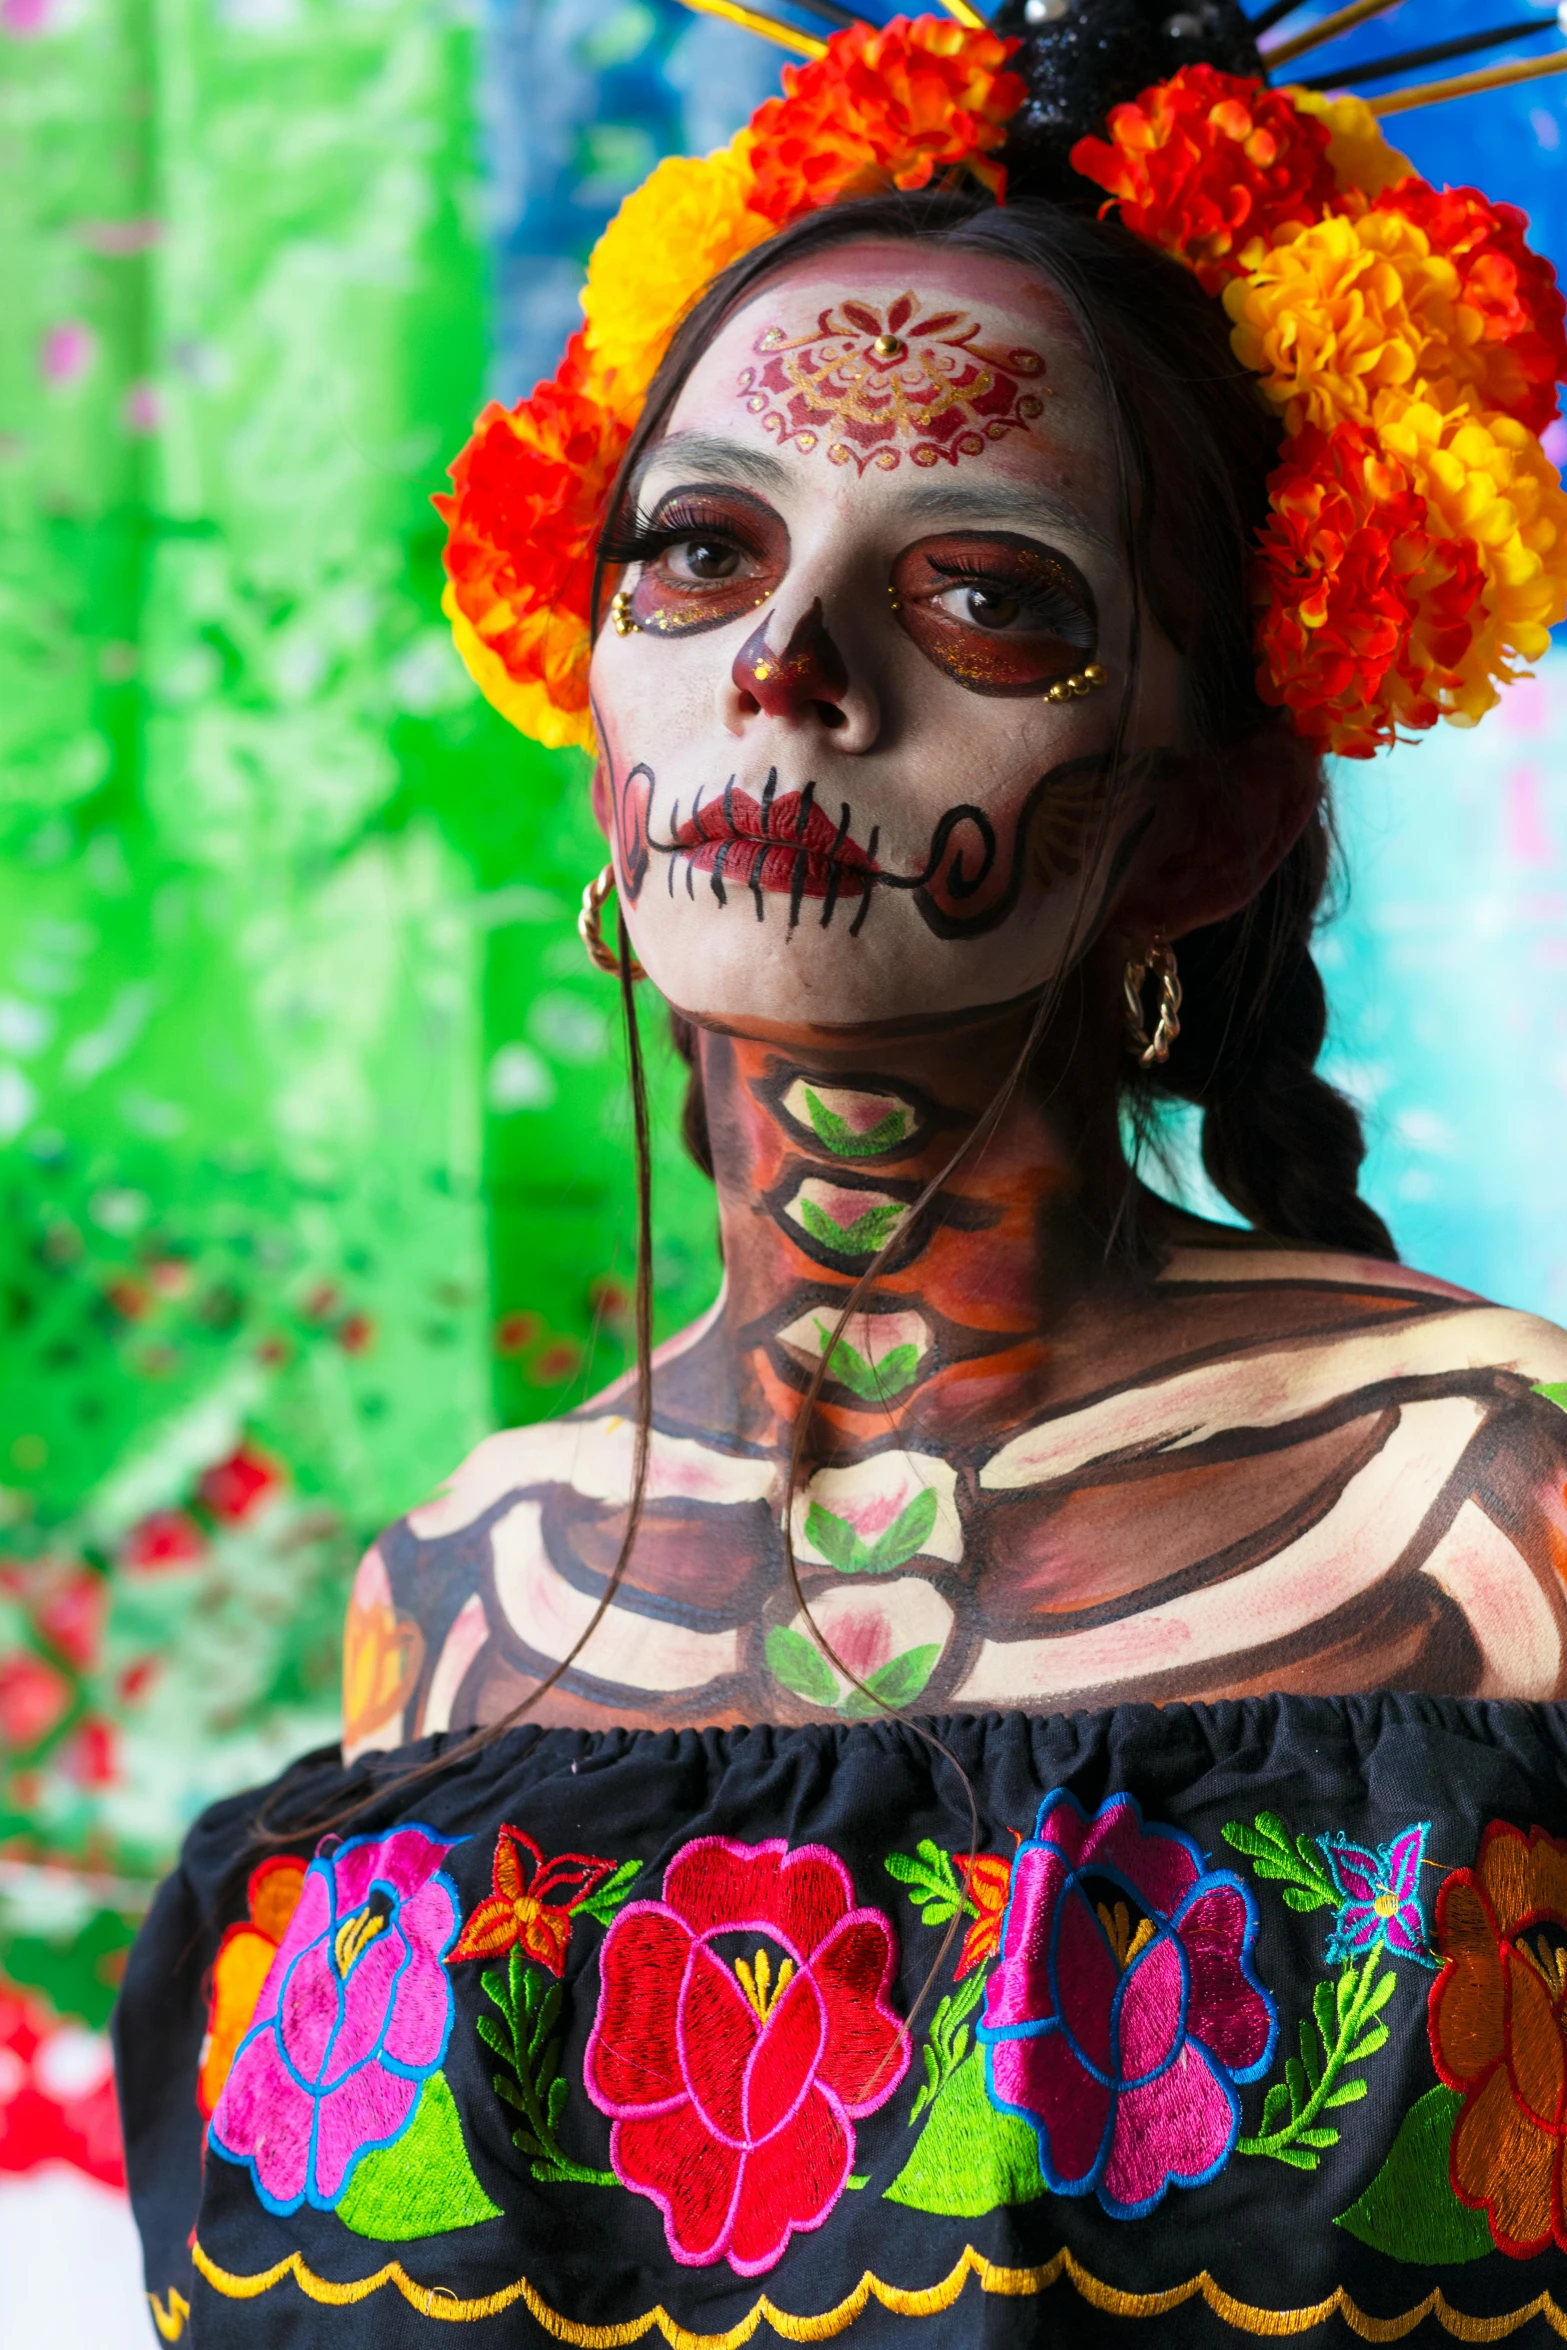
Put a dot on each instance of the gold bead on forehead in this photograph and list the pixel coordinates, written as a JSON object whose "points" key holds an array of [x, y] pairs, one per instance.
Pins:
{"points": [[889, 347]]}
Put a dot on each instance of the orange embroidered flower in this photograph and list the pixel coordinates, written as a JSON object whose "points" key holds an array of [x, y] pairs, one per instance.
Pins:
{"points": [[1513, 341], [520, 1913], [1498, 2026], [987, 1880], [241, 1967], [1208, 162], [899, 103], [1365, 603]]}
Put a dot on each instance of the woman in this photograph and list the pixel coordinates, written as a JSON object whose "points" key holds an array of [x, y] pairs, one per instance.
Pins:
{"points": [[651, 1949]]}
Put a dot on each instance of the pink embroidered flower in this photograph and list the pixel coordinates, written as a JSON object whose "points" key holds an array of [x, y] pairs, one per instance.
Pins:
{"points": [[742, 2030], [353, 2017], [1124, 2007]]}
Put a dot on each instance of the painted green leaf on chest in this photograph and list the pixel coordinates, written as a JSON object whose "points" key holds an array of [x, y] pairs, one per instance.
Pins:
{"points": [[424, 2184], [846, 1550], [877, 1382], [838, 1136], [1554, 1391], [870, 1230], [969, 2159], [800, 1665], [1409, 2211], [897, 1683]]}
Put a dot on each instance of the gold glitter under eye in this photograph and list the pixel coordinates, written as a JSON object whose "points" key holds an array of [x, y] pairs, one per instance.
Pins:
{"points": [[1053, 646]]}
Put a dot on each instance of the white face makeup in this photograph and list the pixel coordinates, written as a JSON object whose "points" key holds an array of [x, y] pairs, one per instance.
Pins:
{"points": [[880, 529]]}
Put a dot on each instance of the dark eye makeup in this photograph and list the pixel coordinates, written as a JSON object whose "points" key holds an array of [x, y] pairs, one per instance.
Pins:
{"points": [[1000, 614], [706, 556]]}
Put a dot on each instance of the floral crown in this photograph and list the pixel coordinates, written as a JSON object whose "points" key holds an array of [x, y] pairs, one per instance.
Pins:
{"points": [[1415, 550]]}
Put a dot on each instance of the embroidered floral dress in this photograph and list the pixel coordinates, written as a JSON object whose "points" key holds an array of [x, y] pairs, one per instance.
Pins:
{"points": [[1243, 2019]]}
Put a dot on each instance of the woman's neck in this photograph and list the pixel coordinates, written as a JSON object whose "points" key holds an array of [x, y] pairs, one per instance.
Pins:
{"points": [[820, 1150]]}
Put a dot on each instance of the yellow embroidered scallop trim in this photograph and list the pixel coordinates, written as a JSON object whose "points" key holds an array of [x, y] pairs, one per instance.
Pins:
{"points": [[1273, 2324]]}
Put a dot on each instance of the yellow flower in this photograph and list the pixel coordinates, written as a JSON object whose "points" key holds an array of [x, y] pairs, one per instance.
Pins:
{"points": [[1486, 478], [670, 238], [1332, 315], [1358, 155]]}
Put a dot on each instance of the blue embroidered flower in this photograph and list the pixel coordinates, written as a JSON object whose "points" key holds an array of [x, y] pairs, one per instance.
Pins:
{"points": [[1379, 1895]]}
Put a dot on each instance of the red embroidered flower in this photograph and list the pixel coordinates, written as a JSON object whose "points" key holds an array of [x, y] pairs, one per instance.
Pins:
{"points": [[519, 1912], [742, 2029], [1521, 356], [1365, 601], [1207, 160], [987, 1880], [898, 102]]}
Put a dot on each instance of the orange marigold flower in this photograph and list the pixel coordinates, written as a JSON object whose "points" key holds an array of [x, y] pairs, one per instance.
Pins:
{"points": [[897, 103], [1209, 162], [1359, 157], [1366, 605], [529, 491], [1512, 310], [689, 219]]}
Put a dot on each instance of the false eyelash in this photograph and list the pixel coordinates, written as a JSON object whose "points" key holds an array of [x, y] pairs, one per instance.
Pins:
{"points": [[637, 538], [1057, 607]]}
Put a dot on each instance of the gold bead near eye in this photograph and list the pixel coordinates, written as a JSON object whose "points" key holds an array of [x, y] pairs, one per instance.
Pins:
{"points": [[1082, 681], [620, 614], [888, 347]]}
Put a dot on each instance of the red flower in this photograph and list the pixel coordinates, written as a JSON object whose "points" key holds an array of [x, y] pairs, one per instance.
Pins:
{"points": [[1365, 602], [235, 1489], [1522, 354], [899, 102], [519, 1912], [987, 1880], [1206, 161], [56, 2094], [733, 2080], [522, 523], [164, 1538], [70, 1614], [34, 1699]]}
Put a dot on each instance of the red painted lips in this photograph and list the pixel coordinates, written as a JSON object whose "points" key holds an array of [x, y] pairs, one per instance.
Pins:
{"points": [[786, 844]]}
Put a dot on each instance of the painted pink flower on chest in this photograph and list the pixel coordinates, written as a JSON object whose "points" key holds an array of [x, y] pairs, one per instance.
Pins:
{"points": [[353, 2017], [742, 2030], [1124, 2007]]}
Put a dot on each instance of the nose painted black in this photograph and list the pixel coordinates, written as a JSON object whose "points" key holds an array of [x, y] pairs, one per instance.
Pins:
{"points": [[808, 673]]}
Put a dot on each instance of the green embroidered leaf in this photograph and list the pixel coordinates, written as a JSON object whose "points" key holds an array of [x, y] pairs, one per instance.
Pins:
{"points": [[947, 2045], [896, 1683], [933, 1883], [969, 2159], [531, 2004], [1554, 1391], [423, 2184], [877, 1382], [1292, 1861], [799, 1664], [1343, 2014], [1409, 2211], [840, 1137], [858, 2178], [909, 1532], [603, 1904], [839, 1545], [870, 1230]]}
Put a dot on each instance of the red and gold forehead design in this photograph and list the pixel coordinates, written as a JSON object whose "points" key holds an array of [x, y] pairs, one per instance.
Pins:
{"points": [[868, 384]]}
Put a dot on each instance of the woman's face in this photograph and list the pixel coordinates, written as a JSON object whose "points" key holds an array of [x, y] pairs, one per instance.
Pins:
{"points": [[880, 528]]}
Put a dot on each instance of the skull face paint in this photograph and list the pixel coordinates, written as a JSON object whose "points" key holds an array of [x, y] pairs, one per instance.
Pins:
{"points": [[837, 731]]}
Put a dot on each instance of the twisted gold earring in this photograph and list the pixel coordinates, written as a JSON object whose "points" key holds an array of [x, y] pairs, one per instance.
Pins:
{"points": [[1160, 960], [590, 927]]}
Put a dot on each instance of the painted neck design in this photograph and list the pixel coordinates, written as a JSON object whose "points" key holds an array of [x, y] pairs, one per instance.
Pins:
{"points": [[819, 1158]]}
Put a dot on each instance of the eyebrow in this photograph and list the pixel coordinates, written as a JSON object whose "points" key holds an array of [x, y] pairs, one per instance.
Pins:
{"points": [[709, 456], [1003, 502]]}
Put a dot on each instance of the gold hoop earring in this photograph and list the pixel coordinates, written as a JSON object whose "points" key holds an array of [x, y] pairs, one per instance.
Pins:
{"points": [[590, 927], [1081, 681], [1160, 960], [620, 614]]}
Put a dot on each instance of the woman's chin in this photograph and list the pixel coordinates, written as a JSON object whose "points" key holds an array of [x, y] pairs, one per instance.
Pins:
{"points": [[803, 986]]}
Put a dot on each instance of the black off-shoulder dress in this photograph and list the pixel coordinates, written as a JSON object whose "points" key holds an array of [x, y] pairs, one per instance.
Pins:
{"points": [[1242, 2020]]}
